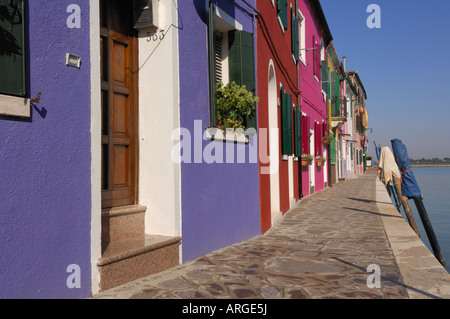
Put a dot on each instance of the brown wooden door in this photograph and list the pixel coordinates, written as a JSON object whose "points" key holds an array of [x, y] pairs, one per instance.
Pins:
{"points": [[119, 103]]}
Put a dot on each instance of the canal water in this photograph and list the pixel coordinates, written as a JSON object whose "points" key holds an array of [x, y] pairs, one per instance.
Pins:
{"points": [[434, 183]]}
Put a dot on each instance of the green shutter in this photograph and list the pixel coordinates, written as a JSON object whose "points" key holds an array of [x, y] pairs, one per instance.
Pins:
{"points": [[286, 123], [242, 64], [280, 6], [12, 48], [325, 79], [333, 150], [282, 9], [298, 130], [338, 95], [294, 35], [335, 94]]}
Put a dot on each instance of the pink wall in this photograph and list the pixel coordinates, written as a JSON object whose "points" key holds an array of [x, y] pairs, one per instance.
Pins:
{"points": [[312, 100]]}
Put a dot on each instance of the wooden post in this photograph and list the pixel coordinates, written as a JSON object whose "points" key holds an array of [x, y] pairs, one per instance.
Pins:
{"points": [[405, 204], [429, 230]]}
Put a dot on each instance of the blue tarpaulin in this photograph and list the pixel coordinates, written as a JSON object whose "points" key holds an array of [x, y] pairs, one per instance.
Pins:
{"points": [[410, 188]]}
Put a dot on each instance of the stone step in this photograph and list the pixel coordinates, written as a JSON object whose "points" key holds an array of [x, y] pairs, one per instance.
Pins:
{"points": [[123, 222], [129, 259]]}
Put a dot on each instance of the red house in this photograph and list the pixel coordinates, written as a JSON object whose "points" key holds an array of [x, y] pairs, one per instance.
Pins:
{"points": [[291, 36]]}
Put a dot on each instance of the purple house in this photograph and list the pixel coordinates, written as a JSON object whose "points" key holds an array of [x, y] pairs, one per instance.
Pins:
{"points": [[45, 149], [220, 196]]}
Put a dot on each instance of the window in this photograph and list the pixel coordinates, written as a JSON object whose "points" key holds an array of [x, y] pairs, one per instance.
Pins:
{"points": [[301, 32], [318, 131], [305, 134], [325, 77], [316, 58], [335, 94], [231, 57], [286, 122], [294, 35], [282, 10], [297, 132], [13, 88]]}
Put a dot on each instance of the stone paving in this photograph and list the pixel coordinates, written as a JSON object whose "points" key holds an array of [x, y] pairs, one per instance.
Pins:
{"points": [[322, 248]]}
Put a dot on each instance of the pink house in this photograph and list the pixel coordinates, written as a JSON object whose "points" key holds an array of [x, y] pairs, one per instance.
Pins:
{"points": [[314, 36]]}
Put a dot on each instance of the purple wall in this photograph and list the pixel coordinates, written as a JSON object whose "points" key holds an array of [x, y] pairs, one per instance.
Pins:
{"points": [[45, 164], [220, 202]]}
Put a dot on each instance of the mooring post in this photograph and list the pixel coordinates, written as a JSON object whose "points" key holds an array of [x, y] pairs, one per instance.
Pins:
{"points": [[429, 230]]}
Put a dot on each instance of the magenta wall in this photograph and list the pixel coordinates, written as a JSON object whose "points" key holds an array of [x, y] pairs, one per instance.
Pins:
{"points": [[312, 101]]}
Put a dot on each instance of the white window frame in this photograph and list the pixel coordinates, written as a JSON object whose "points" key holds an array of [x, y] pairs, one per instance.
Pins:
{"points": [[301, 36]]}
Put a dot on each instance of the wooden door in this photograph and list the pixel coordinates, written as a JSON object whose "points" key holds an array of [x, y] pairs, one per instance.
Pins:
{"points": [[119, 103]]}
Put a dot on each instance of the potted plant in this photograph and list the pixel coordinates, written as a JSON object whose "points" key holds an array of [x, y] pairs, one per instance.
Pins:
{"points": [[327, 139], [234, 105], [320, 160], [307, 159]]}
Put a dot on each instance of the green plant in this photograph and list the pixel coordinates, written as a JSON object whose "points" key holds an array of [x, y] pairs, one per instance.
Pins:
{"points": [[234, 104], [328, 138], [321, 158], [307, 157]]}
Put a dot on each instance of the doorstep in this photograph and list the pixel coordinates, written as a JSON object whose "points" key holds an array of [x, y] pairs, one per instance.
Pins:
{"points": [[133, 258]]}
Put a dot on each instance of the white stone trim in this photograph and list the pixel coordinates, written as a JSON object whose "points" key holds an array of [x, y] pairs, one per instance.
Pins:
{"points": [[15, 106], [96, 155]]}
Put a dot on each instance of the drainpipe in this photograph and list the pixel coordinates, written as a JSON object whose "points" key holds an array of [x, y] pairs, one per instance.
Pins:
{"points": [[299, 162]]}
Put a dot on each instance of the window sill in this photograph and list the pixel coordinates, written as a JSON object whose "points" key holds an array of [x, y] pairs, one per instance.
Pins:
{"points": [[215, 134], [15, 106]]}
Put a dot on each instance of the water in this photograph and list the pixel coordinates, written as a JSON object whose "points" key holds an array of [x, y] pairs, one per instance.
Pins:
{"points": [[434, 183]]}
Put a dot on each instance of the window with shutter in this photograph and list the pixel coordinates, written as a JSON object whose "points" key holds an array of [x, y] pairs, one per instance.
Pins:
{"points": [[334, 94], [318, 139], [315, 49], [231, 58], [297, 132], [325, 78], [14, 97], [305, 134], [301, 31], [325, 129], [286, 123], [282, 9], [333, 151], [294, 36], [318, 56], [242, 64], [12, 48]]}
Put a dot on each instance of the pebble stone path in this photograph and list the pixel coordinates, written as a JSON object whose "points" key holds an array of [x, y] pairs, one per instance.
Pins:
{"points": [[322, 248]]}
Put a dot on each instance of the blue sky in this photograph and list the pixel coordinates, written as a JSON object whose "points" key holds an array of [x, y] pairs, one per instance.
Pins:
{"points": [[404, 67]]}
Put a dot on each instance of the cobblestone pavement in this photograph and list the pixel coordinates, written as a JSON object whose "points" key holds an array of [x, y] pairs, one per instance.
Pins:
{"points": [[320, 249]]}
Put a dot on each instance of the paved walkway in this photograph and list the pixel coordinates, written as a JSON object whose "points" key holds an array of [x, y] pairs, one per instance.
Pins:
{"points": [[322, 248]]}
